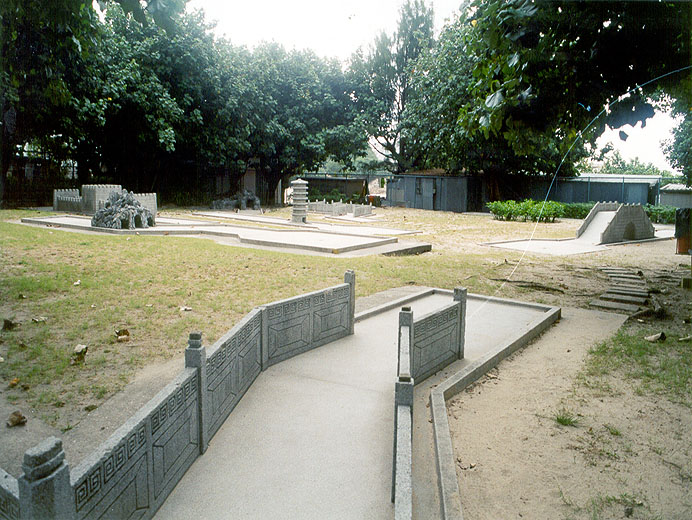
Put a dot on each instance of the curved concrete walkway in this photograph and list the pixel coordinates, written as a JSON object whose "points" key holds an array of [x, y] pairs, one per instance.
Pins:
{"points": [[312, 438]]}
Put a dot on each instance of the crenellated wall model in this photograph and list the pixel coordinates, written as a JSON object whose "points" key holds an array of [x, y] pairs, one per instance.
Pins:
{"points": [[94, 197]]}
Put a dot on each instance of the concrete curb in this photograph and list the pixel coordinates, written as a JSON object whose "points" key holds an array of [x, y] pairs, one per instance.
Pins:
{"points": [[450, 496]]}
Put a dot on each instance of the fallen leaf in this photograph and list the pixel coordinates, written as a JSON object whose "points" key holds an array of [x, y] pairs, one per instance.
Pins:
{"points": [[14, 382], [16, 418], [123, 339], [661, 336]]}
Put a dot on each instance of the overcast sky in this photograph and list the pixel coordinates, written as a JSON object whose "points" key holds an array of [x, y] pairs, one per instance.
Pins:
{"points": [[337, 29]]}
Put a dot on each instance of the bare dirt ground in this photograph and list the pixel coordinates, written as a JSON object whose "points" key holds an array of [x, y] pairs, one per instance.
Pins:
{"points": [[628, 451]]}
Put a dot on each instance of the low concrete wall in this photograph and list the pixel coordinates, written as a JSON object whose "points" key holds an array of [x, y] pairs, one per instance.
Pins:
{"points": [[599, 206], [300, 324], [233, 363], [425, 346], [9, 496], [337, 209], [94, 197], [131, 474], [402, 452], [148, 201], [61, 195], [438, 338], [92, 193], [630, 222]]}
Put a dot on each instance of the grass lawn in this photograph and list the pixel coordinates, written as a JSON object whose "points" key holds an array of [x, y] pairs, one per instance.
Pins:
{"points": [[87, 286]]}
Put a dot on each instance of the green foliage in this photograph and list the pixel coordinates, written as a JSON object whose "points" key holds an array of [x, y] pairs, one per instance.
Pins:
{"points": [[512, 86], [577, 210], [382, 82], [661, 214], [662, 367], [679, 148], [536, 211], [616, 165], [565, 417], [165, 110]]}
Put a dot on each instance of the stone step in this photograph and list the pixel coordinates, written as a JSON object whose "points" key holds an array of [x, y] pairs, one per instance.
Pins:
{"points": [[621, 298], [627, 291], [616, 270], [625, 276], [628, 281], [615, 306]]}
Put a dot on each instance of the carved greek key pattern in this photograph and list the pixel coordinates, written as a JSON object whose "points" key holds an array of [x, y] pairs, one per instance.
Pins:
{"points": [[225, 356], [165, 410], [288, 308], [109, 466], [432, 323], [9, 506]]}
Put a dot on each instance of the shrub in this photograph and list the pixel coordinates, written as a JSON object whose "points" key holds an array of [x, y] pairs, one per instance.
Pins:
{"points": [[578, 209], [526, 209], [660, 214]]}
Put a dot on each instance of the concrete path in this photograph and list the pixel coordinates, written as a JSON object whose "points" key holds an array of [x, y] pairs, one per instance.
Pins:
{"points": [[361, 240], [312, 438]]}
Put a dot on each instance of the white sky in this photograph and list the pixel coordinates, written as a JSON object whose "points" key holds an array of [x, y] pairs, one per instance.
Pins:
{"points": [[337, 29], [331, 29], [644, 143]]}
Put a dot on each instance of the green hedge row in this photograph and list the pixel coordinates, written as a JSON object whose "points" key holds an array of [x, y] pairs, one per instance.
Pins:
{"points": [[660, 214], [526, 210], [530, 210]]}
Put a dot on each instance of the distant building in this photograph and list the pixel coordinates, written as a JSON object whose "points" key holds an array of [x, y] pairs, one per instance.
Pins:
{"points": [[437, 191], [677, 195]]}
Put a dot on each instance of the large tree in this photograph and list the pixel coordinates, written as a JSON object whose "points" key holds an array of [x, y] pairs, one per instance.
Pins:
{"points": [[304, 114], [518, 83], [382, 82]]}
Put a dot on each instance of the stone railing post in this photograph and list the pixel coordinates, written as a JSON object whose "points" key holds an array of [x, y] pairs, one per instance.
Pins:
{"points": [[350, 279], [44, 487], [460, 295], [196, 357], [405, 359]]}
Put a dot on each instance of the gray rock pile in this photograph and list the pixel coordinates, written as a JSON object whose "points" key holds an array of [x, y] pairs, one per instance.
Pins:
{"points": [[123, 211], [240, 200]]}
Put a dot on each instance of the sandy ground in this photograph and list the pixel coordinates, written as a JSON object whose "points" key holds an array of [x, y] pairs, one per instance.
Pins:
{"points": [[629, 454]]}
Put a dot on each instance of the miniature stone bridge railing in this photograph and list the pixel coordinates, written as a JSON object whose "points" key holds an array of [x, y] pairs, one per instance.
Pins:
{"points": [[425, 346], [131, 474], [337, 209]]}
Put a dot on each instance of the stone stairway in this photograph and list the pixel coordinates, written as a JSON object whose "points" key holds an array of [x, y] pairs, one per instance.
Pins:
{"points": [[628, 291]]}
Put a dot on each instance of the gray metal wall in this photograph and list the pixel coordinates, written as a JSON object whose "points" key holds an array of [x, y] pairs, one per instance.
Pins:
{"points": [[463, 193]]}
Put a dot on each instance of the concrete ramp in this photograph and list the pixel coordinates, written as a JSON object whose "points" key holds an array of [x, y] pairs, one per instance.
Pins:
{"points": [[612, 222], [592, 233]]}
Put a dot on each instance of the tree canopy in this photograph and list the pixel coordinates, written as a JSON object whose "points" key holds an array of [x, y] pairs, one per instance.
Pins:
{"points": [[149, 98], [382, 85], [512, 86]]}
